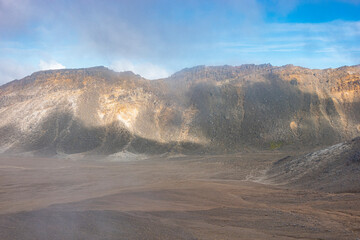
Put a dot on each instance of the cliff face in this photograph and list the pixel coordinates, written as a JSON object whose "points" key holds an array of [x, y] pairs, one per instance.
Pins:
{"points": [[221, 108]]}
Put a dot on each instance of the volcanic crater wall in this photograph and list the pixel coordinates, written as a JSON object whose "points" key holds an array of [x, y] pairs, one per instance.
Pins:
{"points": [[201, 109]]}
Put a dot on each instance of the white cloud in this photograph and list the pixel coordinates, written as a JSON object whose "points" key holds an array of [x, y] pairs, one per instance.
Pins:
{"points": [[11, 70], [52, 64], [147, 70]]}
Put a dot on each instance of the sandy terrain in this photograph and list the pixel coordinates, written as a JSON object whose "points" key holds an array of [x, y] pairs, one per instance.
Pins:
{"points": [[198, 197]]}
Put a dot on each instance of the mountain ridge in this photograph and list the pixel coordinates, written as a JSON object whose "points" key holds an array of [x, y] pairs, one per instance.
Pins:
{"points": [[101, 67], [199, 109]]}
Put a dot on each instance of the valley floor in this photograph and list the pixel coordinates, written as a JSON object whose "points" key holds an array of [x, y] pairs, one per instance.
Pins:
{"points": [[183, 197]]}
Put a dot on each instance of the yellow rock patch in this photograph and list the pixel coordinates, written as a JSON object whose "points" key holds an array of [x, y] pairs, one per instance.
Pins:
{"points": [[293, 126], [127, 116]]}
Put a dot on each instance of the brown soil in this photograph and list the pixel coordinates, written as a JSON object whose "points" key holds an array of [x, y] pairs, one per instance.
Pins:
{"points": [[197, 197]]}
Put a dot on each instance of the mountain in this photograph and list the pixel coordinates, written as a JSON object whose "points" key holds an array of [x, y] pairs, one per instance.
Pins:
{"points": [[200, 109], [333, 169]]}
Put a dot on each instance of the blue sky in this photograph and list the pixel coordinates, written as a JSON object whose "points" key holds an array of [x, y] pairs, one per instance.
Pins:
{"points": [[155, 38]]}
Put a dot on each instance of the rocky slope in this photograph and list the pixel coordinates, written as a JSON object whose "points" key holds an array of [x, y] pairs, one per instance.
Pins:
{"points": [[333, 169], [224, 108]]}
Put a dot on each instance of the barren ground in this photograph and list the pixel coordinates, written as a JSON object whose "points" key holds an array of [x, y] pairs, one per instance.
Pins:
{"points": [[197, 197]]}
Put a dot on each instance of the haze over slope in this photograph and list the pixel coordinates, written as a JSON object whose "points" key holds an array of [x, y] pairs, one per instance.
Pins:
{"points": [[96, 110]]}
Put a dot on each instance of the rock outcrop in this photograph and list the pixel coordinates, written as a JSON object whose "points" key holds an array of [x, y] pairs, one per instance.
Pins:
{"points": [[333, 169]]}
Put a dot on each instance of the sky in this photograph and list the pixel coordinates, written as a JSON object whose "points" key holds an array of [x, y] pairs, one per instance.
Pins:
{"points": [[155, 38]]}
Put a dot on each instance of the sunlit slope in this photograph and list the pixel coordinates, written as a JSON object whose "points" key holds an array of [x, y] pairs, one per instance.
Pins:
{"points": [[199, 109]]}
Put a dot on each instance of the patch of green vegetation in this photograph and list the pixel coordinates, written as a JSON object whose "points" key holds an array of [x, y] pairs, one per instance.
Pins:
{"points": [[275, 145]]}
